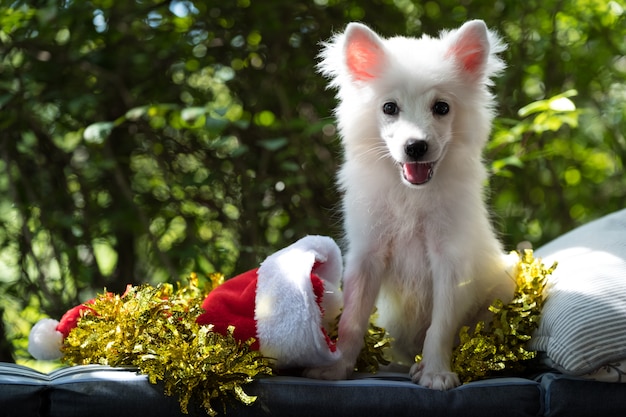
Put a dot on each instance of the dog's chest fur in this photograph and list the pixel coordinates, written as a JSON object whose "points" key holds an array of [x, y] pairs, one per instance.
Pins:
{"points": [[400, 242], [406, 289], [401, 227]]}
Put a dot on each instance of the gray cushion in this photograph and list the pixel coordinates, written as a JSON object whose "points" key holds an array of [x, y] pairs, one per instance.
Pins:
{"points": [[568, 396], [101, 391], [20, 395], [583, 323], [393, 394]]}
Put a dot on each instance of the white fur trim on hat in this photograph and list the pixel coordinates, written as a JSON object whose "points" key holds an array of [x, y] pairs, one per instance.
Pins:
{"points": [[289, 321], [44, 341]]}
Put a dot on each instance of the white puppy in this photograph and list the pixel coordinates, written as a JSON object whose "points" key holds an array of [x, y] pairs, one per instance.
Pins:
{"points": [[414, 115]]}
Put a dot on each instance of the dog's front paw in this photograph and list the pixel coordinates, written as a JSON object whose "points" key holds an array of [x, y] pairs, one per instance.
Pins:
{"points": [[337, 371], [441, 380]]}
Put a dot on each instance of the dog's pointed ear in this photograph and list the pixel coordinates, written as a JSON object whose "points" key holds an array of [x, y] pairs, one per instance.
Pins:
{"points": [[470, 47], [364, 52]]}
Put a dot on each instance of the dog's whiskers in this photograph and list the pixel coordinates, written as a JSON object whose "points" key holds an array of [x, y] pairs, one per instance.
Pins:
{"points": [[380, 151]]}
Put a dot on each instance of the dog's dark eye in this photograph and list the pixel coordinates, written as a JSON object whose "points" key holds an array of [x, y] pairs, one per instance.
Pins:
{"points": [[390, 108], [441, 108]]}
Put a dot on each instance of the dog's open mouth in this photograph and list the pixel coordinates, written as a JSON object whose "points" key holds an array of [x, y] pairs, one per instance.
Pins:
{"points": [[418, 173]]}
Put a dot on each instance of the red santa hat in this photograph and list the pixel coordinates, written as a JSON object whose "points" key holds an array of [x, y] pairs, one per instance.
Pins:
{"points": [[47, 335], [287, 305]]}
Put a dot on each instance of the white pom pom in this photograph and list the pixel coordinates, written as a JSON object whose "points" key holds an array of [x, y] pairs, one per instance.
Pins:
{"points": [[44, 341]]}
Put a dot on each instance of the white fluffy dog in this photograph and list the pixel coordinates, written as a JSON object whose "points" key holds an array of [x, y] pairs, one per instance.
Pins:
{"points": [[414, 115]]}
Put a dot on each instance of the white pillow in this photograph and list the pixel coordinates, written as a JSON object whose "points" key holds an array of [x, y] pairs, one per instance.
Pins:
{"points": [[583, 323]]}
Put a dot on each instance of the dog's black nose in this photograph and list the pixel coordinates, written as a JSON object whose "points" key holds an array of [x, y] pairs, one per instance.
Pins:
{"points": [[415, 148]]}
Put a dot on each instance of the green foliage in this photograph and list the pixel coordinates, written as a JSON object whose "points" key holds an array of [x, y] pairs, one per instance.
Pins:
{"points": [[142, 140], [566, 76]]}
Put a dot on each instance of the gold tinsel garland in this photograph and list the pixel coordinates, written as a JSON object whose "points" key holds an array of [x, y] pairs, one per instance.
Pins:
{"points": [[154, 329], [500, 345], [372, 356]]}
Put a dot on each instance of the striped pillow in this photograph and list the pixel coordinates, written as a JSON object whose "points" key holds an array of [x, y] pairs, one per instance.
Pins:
{"points": [[583, 324]]}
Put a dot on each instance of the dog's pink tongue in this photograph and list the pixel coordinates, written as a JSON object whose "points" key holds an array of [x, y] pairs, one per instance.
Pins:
{"points": [[417, 172]]}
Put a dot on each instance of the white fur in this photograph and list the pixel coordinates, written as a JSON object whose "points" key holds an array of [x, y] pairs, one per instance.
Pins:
{"points": [[44, 341], [425, 254], [288, 320]]}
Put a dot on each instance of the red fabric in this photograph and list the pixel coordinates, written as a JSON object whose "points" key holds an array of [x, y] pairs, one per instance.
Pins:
{"points": [[318, 290], [232, 304], [70, 318]]}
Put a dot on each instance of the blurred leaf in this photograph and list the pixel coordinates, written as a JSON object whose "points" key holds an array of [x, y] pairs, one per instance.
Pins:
{"points": [[274, 144], [216, 126], [190, 114], [511, 161], [559, 103], [137, 113], [97, 132], [562, 104]]}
